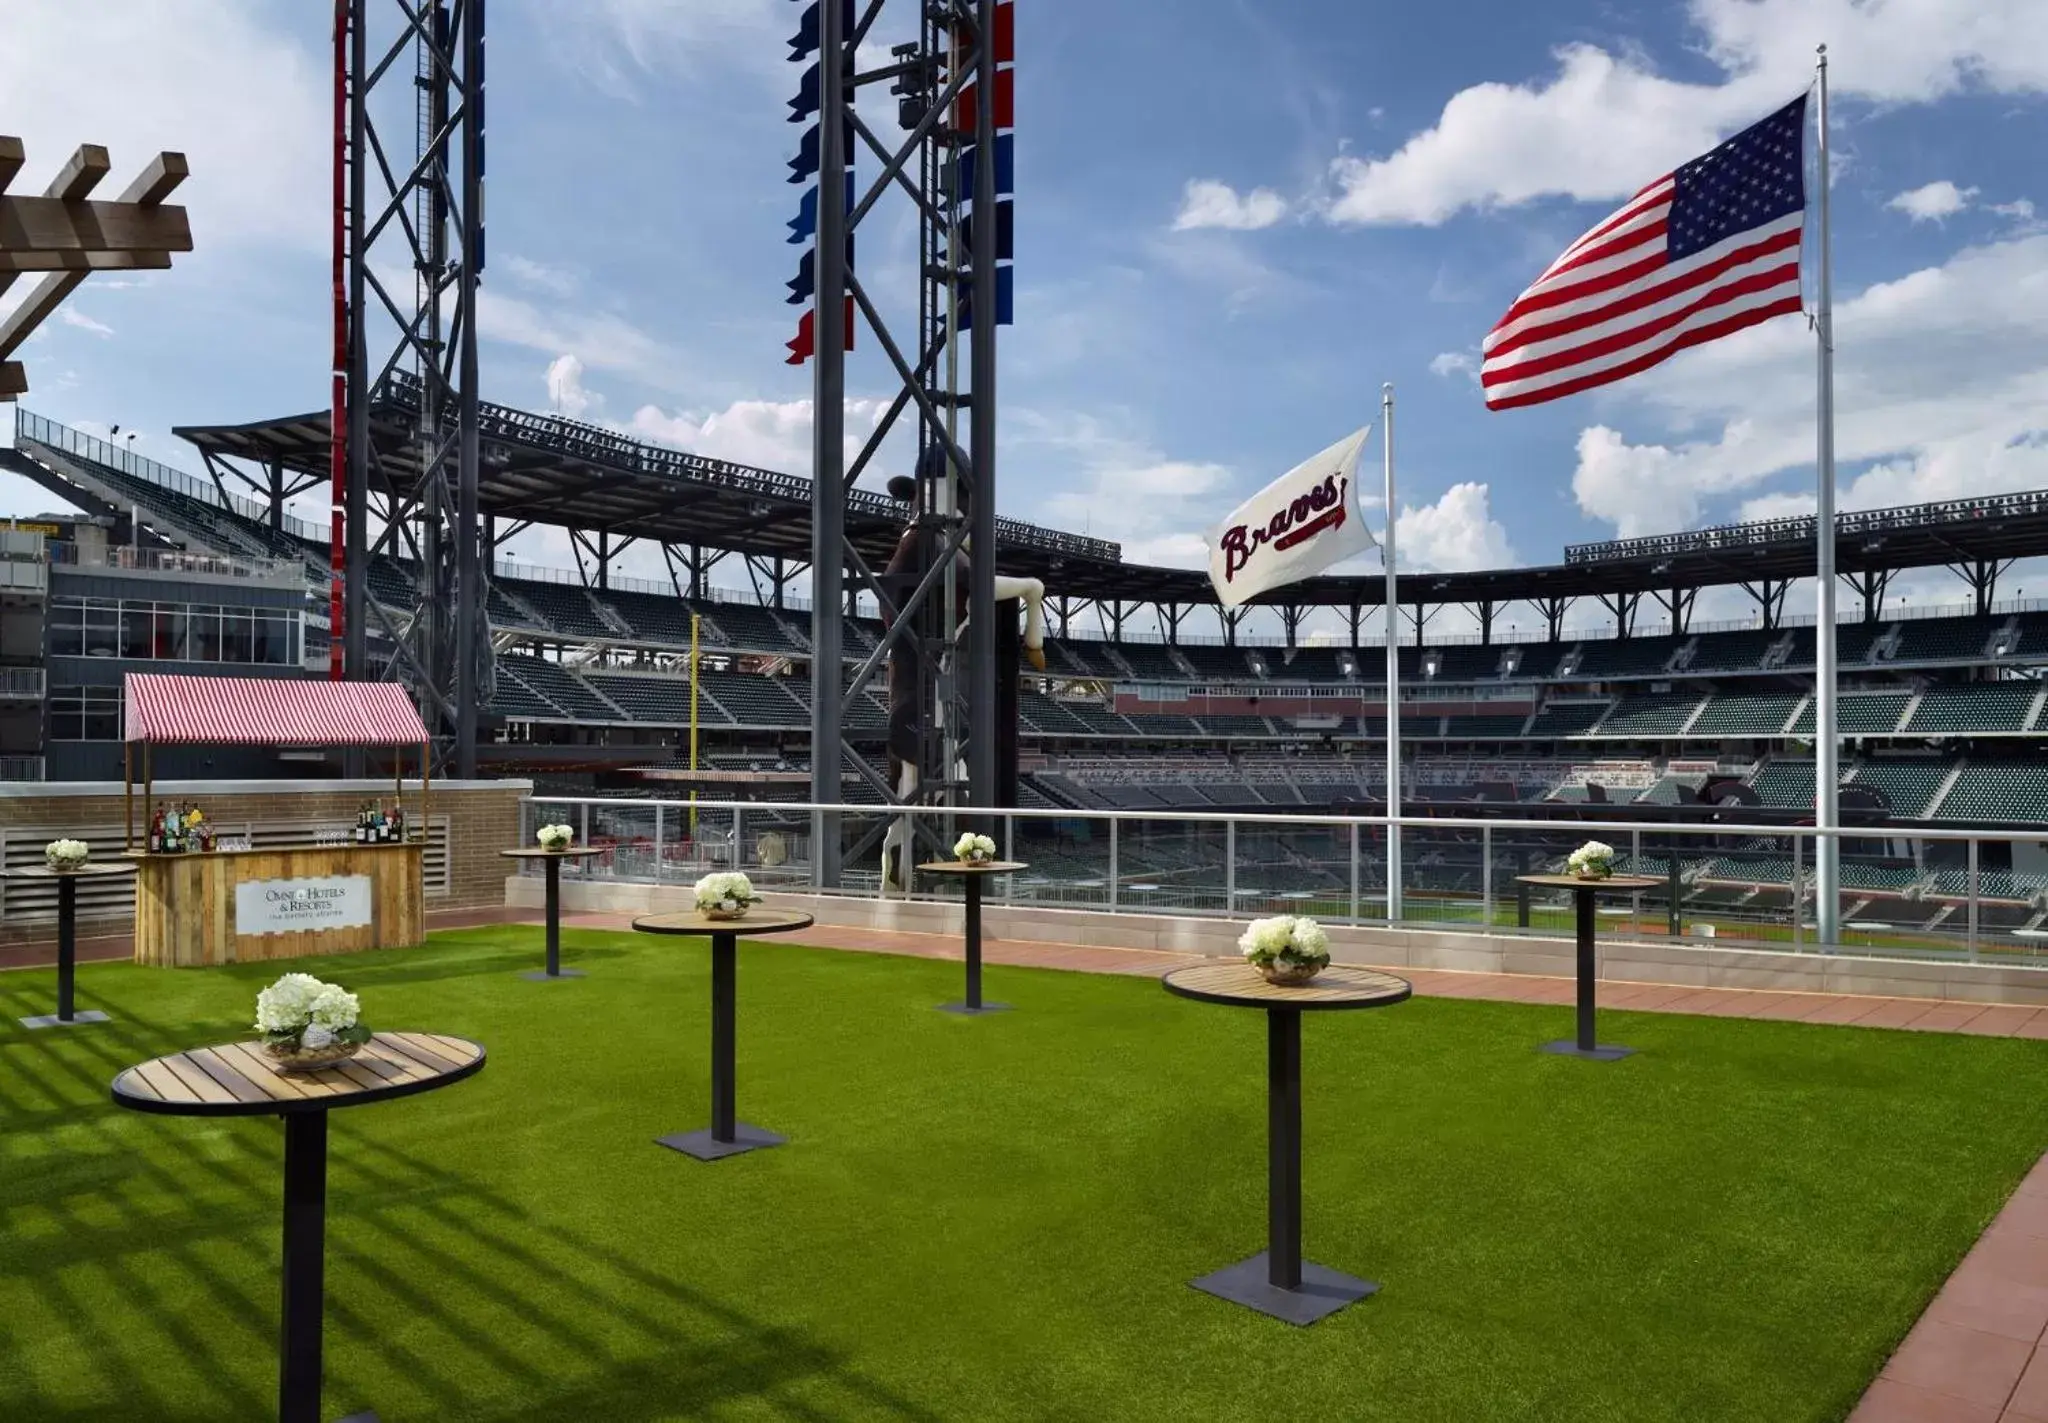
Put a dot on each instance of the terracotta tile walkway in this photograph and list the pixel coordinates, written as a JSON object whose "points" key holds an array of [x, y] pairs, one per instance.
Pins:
{"points": [[1978, 1355]]}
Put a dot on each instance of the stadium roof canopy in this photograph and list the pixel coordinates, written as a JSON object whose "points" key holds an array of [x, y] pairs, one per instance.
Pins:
{"points": [[550, 470]]}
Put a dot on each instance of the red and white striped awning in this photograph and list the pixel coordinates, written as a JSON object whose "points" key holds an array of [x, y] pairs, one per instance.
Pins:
{"points": [[262, 711]]}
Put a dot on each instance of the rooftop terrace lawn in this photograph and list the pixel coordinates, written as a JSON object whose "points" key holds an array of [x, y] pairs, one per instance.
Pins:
{"points": [[991, 1218]]}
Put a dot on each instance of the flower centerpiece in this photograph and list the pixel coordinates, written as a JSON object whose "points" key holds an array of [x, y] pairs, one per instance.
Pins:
{"points": [[66, 856], [973, 849], [555, 838], [1592, 860], [725, 895], [307, 1024], [1290, 949]]}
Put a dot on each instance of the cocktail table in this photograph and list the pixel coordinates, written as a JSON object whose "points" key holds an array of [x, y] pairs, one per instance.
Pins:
{"points": [[727, 1135], [970, 876], [67, 934], [553, 859], [1585, 891], [1277, 1281], [240, 1080]]}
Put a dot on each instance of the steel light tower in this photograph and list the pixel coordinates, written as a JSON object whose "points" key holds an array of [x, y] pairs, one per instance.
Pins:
{"points": [[951, 157], [411, 206]]}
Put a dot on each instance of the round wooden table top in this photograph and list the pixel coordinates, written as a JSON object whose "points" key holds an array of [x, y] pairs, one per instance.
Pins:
{"points": [[1612, 882], [759, 919], [242, 1080], [964, 867], [84, 871], [534, 852], [1240, 985]]}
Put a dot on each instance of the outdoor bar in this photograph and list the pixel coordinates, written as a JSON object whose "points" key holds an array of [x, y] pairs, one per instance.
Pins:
{"points": [[199, 902]]}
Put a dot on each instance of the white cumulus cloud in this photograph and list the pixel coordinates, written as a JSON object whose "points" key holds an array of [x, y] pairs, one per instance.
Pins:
{"points": [[1456, 534], [1604, 122], [1454, 363], [566, 392], [1941, 378], [1208, 203], [1933, 201]]}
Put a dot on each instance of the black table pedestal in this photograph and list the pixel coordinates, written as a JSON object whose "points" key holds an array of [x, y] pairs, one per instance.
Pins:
{"points": [[1277, 1281], [305, 1248], [1586, 1044], [67, 964], [727, 1135], [554, 970], [972, 1003]]}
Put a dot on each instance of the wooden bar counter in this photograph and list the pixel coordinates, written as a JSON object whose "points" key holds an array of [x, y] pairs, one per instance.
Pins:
{"points": [[202, 908]]}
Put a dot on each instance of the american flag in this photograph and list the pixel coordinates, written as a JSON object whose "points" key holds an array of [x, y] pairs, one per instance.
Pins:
{"points": [[1698, 254]]}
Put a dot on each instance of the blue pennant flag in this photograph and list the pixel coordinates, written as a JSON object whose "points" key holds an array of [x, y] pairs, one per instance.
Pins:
{"points": [[804, 225], [805, 164], [804, 43], [806, 101], [804, 285], [1006, 299], [1006, 168], [1006, 233]]}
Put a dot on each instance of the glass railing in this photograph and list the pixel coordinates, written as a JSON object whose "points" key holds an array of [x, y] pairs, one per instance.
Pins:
{"points": [[1974, 894]]}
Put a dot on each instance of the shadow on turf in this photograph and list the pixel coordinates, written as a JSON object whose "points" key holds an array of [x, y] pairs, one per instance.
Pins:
{"points": [[455, 1261]]}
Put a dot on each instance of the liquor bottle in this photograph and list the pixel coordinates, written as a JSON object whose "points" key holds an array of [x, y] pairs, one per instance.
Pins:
{"points": [[362, 826], [156, 832]]}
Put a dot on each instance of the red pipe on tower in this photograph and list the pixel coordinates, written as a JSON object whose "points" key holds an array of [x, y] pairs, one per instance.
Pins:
{"points": [[337, 543]]}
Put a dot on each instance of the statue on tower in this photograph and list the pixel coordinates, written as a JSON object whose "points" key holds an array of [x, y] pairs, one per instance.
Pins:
{"points": [[913, 701]]}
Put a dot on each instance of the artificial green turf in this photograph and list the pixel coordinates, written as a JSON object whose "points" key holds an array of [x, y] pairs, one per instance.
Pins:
{"points": [[991, 1218]]}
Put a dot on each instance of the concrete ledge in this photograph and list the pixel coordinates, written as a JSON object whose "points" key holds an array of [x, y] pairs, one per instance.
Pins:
{"points": [[1621, 960]]}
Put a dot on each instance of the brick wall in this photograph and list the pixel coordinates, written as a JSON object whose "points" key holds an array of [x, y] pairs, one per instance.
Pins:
{"points": [[480, 817]]}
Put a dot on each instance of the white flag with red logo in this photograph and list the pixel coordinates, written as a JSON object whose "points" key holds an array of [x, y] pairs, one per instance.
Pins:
{"points": [[1297, 526]]}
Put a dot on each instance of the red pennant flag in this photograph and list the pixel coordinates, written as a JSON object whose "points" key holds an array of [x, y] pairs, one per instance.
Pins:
{"points": [[806, 343]]}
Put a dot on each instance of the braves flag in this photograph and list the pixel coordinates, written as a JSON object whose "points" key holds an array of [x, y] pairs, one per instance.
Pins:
{"points": [[1294, 528]]}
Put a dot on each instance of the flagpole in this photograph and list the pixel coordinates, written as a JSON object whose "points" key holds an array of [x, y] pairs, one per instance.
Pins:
{"points": [[1827, 777], [1393, 667]]}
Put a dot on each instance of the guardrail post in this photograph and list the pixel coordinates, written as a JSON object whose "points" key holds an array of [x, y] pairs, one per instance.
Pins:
{"points": [[1973, 899], [659, 810], [1521, 890], [1354, 872], [1798, 891], [1486, 877], [1674, 919], [1229, 868], [1009, 853], [1113, 824], [583, 829], [739, 834]]}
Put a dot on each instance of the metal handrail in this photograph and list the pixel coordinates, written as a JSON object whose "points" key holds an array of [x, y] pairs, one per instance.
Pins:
{"points": [[1175, 815]]}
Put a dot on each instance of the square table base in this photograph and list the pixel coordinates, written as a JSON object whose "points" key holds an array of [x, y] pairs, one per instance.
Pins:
{"points": [[970, 1011], [1605, 1052], [541, 975], [51, 1020], [1323, 1291], [706, 1147]]}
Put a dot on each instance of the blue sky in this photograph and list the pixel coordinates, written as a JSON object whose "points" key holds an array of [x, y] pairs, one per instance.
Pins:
{"points": [[1232, 227]]}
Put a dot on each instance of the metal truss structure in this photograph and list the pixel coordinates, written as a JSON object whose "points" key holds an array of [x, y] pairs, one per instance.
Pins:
{"points": [[409, 187], [952, 90]]}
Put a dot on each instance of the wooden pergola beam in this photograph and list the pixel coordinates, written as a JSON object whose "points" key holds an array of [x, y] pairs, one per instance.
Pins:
{"points": [[50, 235], [68, 236], [164, 173]]}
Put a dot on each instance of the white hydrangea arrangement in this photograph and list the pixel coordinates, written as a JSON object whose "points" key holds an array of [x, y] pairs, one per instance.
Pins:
{"points": [[1289, 948], [555, 837], [66, 854], [727, 892], [1592, 860], [299, 1013], [974, 849]]}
